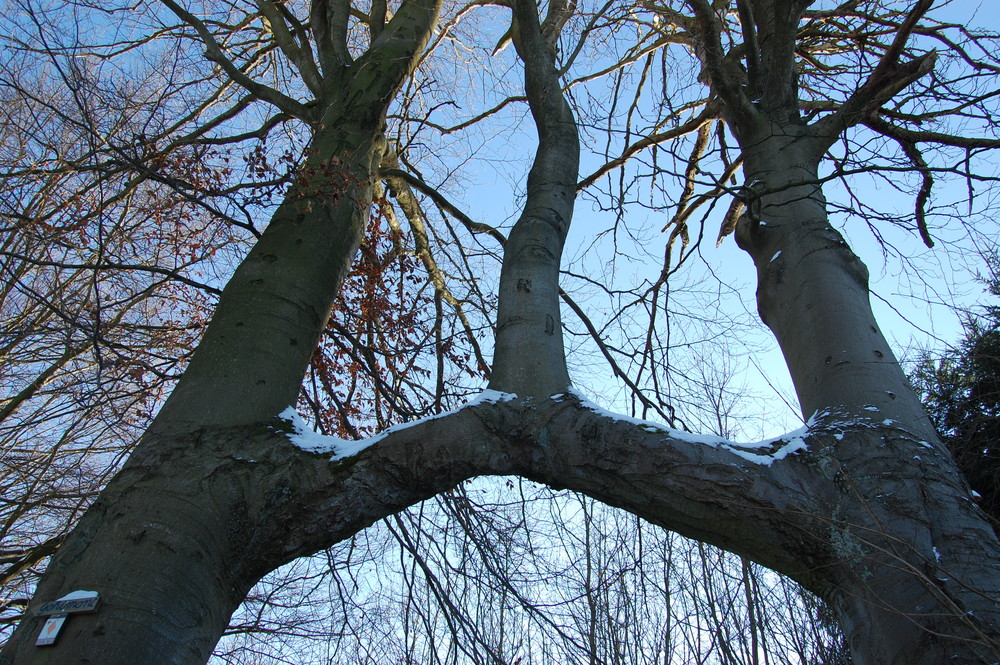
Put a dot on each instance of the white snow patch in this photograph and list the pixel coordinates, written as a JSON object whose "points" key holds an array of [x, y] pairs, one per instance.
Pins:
{"points": [[79, 595], [489, 397], [976, 495], [793, 442], [776, 255], [937, 555], [869, 407], [311, 441]]}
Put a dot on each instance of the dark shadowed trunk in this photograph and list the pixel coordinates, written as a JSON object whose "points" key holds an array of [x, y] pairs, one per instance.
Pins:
{"points": [[182, 532]]}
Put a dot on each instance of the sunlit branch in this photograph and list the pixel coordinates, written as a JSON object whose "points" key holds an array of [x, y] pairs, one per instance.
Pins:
{"points": [[215, 54]]}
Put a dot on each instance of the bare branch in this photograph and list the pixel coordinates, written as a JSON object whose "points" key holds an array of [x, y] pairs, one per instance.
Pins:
{"points": [[717, 69], [215, 53], [881, 126], [886, 80], [439, 199], [300, 56], [707, 114]]}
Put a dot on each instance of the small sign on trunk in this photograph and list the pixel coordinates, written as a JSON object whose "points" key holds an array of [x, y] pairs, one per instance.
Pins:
{"points": [[67, 605], [50, 631], [59, 610]]}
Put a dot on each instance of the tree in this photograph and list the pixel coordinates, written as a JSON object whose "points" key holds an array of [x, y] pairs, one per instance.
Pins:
{"points": [[865, 507], [95, 258], [961, 393]]}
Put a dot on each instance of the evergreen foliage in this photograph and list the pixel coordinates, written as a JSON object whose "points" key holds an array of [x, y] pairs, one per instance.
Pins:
{"points": [[961, 391]]}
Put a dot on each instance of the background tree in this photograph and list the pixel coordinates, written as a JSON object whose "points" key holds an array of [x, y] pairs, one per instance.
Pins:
{"points": [[961, 391]]}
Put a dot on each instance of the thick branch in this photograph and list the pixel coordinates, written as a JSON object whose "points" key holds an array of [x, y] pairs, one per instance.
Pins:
{"points": [[374, 79], [301, 57], [881, 126], [329, 25], [788, 503], [718, 70], [751, 46]]}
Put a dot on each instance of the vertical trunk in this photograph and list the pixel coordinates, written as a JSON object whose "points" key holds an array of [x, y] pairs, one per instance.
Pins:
{"points": [[529, 358], [166, 543], [808, 279], [916, 575], [913, 570]]}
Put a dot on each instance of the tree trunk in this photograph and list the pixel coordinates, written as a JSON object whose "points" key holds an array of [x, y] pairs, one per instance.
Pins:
{"points": [[529, 358], [906, 560], [165, 547], [249, 365], [195, 518], [865, 508], [808, 279], [915, 576]]}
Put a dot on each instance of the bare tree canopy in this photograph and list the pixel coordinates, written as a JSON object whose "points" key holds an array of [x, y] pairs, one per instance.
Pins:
{"points": [[226, 225]]}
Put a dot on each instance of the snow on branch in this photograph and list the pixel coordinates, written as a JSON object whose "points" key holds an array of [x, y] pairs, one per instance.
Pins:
{"points": [[303, 436], [764, 452]]}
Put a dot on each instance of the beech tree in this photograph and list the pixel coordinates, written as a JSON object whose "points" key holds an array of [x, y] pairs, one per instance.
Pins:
{"points": [[864, 507], [97, 314]]}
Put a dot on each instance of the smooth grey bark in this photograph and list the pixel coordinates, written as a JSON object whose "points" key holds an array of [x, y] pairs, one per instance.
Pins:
{"points": [[808, 279], [914, 573], [252, 510], [529, 358]]}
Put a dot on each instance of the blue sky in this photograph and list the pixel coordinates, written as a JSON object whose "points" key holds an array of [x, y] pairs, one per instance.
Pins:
{"points": [[919, 294]]}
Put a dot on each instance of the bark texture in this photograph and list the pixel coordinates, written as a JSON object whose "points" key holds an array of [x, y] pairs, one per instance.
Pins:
{"points": [[912, 570], [529, 358]]}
